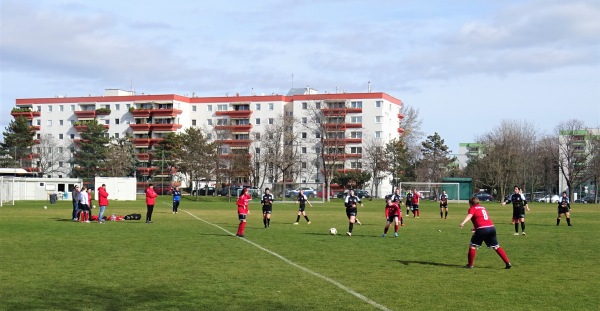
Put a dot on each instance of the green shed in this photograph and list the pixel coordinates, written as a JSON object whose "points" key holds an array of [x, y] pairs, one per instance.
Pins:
{"points": [[465, 187]]}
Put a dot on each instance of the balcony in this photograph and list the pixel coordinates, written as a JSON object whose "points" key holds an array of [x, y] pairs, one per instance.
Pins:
{"points": [[146, 170], [400, 130], [341, 126], [340, 111], [348, 170], [344, 156], [145, 127], [234, 155], [236, 142], [138, 113], [85, 114], [141, 141], [82, 127], [25, 114], [102, 111], [165, 112], [31, 156], [400, 116], [165, 127], [154, 141], [35, 127], [235, 113], [341, 141], [235, 128], [143, 157]]}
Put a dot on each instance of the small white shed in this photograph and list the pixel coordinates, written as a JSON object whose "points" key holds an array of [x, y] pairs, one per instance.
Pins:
{"points": [[118, 188]]}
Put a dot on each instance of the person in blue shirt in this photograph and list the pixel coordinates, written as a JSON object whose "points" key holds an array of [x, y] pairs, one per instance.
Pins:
{"points": [[176, 199]]}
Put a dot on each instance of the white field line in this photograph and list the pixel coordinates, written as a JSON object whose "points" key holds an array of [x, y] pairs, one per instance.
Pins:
{"points": [[291, 263]]}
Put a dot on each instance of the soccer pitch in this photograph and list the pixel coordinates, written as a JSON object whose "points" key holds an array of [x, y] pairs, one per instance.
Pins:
{"points": [[193, 261]]}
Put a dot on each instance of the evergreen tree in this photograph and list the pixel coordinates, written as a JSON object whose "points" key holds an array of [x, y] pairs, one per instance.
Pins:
{"points": [[90, 155], [18, 139], [436, 158]]}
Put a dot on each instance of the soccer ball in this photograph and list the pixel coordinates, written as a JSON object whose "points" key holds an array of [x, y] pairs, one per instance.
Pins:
{"points": [[45, 207], [333, 231]]}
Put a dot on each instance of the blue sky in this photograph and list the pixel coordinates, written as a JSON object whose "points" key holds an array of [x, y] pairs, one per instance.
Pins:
{"points": [[466, 65]]}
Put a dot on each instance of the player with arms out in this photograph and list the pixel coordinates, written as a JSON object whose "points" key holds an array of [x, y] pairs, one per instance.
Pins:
{"points": [[443, 205], [351, 210], [519, 204], [397, 198], [409, 197], [267, 207], [302, 200], [485, 231], [243, 211], [392, 213], [564, 208]]}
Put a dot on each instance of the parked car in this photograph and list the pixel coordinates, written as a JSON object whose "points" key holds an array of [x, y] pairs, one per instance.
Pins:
{"points": [[548, 199], [320, 194], [308, 191], [483, 197], [204, 191], [225, 191], [357, 192], [162, 190], [586, 199]]}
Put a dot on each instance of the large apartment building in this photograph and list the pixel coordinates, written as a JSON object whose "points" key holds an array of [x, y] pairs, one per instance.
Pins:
{"points": [[351, 119]]}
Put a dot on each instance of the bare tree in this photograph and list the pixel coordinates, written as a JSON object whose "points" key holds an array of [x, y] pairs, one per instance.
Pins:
{"points": [[121, 158], [195, 156], [374, 161], [52, 157]]}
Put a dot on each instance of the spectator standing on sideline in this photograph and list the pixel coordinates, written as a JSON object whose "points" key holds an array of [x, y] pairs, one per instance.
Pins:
{"points": [[150, 199], [415, 204], [243, 211], [397, 198], [176, 199], [302, 200], [75, 199], [84, 208], [564, 208], [443, 205], [484, 231], [519, 204], [102, 202], [267, 207]]}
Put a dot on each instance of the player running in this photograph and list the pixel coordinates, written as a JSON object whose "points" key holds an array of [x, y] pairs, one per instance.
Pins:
{"points": [[415, 204], [351, 210], [392, 213], [564, 208], [397, 198], [443, 205], [267, 207], [519, 205], [484, 231]]}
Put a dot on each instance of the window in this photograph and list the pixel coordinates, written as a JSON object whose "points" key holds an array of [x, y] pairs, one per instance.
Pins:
{"points": [[303, 165], [61, 122], [221, 121], [38, 122], [257, 150], [356, 119], [257, 107], [128, 106], [357, 104], [378, 134], [60, 136], [304, 135], [117, 121], [271, 120], [107, 121], [61, 107], [209, 122], [356, 165], [209, 136], [60, 149], [117, 135], [356, 150], [355, 134], [194, 108], [304, 120], [209, 108], [72, 136], [318, 105], [271, 106], [72, 108], [193, 122], [304, 105], [39, 108], [49, 122], [378, 103], [117, 107], [221, 107], [71, 122], [60, 164], [257, 136], [318, 150], [304, 150], [318, 135], [378, 119]]}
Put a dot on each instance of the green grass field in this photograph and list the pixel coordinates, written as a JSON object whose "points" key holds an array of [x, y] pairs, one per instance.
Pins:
{"points": [[192, 261]]}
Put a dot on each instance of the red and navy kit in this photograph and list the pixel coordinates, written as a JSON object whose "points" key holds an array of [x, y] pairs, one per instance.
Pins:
{"points": [[484, 227], [480, 218], [415, 200], [391, 211]]}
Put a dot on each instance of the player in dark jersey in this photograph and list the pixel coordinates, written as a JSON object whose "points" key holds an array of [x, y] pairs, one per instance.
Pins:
{"points": [[408, 202], [519, 204], [267, 207], [351, 210], [443, 205], [564, 208], [302, 200], [483, 231], [397, 198], [392, 213]]}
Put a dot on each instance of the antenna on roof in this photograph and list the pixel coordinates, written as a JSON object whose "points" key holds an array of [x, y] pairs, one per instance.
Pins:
{"points": [[292, 80], [369, 87]]}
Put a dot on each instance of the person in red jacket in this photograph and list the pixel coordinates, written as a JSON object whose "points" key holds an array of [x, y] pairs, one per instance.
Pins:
{"points": [[392, 213], [89, 191], [242, 206], [483, 231], [102, 202], [150, 198]]}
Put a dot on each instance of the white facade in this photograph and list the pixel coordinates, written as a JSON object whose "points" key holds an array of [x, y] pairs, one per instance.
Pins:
{"points": [[147, 118]]}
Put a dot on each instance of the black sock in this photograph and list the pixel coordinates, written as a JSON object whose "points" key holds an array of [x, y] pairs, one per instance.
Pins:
{"points": [[446, 216], [298, 218], [516, 226], [557, 221], [268, 221], [523, 226], [568, 221], [306, 217], [441, 214], [265, 221], [350, 226]]}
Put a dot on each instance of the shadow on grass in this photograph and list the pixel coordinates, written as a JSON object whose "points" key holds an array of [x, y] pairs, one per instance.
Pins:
{"points": [[429, 263]]}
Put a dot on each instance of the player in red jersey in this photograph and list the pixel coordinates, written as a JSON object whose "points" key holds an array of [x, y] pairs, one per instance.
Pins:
{"points": [[484, 231], [415, 204], [242, 205], [392, 213]]}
